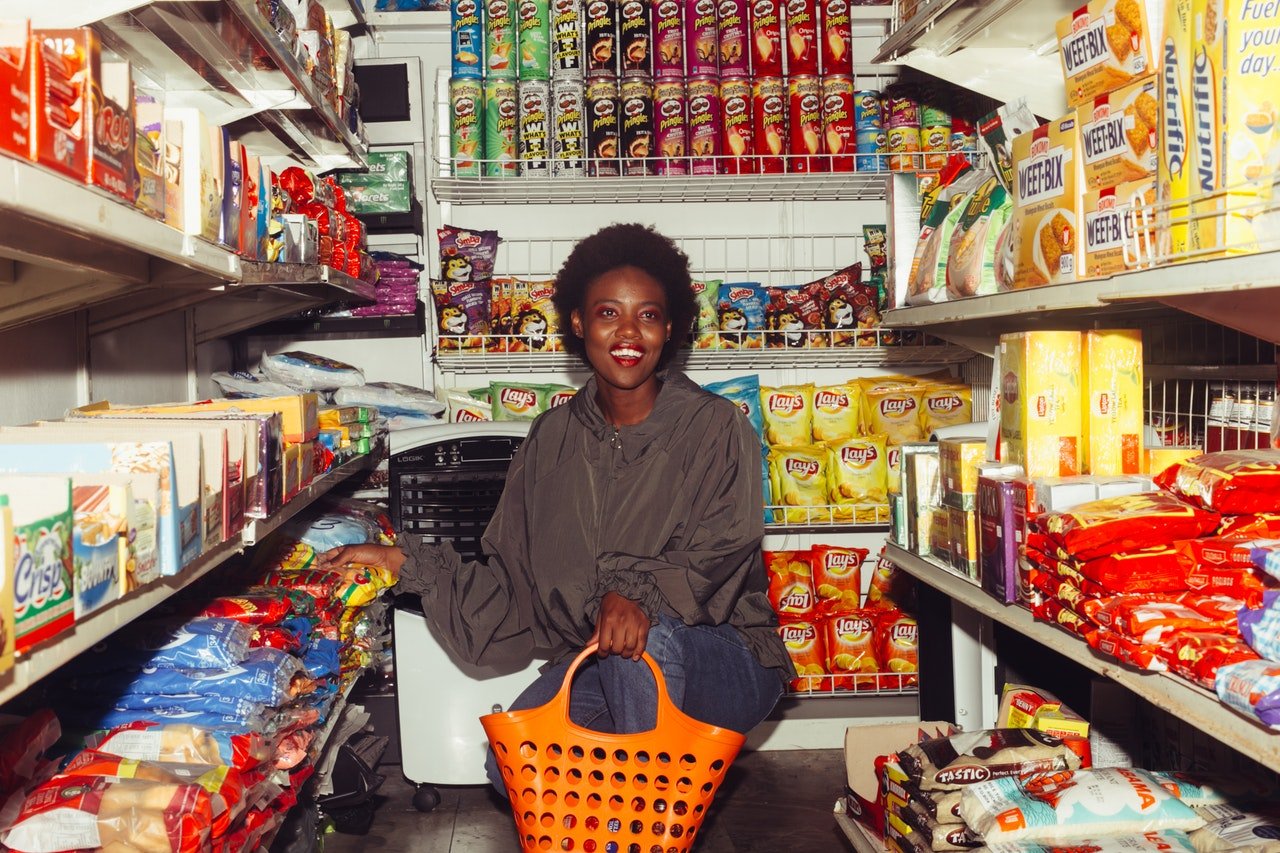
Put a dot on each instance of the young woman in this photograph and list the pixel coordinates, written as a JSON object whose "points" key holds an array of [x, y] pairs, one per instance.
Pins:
{"points": [[631, 517]]}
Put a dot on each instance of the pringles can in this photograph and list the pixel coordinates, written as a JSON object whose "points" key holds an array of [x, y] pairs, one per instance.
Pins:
{"points": [[566, 36], [964, 137], [636, 96], [837, 121], [902, 137], [603, 128], [732, 27], [769, 114], [466, 126], [635, 38], [466, 39], [766, 37], [868, 111], [568, 134], [601, 27], [804, 111], [802, 38], [671, 127], [870, 147], [837, 38], [702, 55], [705, 125], [501, 129], [535, 108], [668, 39], [935, 142], [499, 40], [534, 39], [739, 129]]}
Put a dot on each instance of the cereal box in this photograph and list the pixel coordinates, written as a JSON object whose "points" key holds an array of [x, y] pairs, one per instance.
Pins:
{"points": [[100, 516], [958, 460], [1048, 180], [997, 541], [6, 586], [962, 541], [1119, 132], [1111, 217], [1041, 421], [60, 99], [1235, 63], [42, 576], [1113, 391], [1107, 44], [1174, 167]]}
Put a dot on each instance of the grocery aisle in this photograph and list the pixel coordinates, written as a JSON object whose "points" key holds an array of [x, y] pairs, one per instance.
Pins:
{"points": [[772, 801]]}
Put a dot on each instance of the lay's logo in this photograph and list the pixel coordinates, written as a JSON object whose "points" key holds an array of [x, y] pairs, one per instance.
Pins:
{"points": [[859, 457], [466, 416], [904, 632], [852, 625], [518, 399], [1202, 89], [831, 400], [897, 407], [895, 456], [797, 634], [801, 468], [786, 404], [796, 600], [559, 398], [838, 562], [945, 403]]}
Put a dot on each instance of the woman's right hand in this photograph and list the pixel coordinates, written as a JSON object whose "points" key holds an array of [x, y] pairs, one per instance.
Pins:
{"points": [[387, 557]]}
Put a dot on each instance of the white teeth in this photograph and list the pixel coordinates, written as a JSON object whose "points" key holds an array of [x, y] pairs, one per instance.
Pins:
{"points": [[626, 352]]}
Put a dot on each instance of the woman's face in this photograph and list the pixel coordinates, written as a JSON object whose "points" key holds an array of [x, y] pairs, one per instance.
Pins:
{"points": [[624, 324]]}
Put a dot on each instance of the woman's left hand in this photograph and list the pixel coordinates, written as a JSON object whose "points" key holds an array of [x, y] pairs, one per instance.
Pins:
{"points": [[621, 627]]}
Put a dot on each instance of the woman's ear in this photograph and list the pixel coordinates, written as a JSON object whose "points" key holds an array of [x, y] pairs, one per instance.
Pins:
{"points": [[575, 321]]}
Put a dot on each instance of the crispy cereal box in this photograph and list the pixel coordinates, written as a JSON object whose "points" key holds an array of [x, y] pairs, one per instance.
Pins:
{"points": [[790, 582], [1107, 44], [1048, 179], [788, 415], [1174, 168], [1235, 83], [1119, 132], [1110, 217], [808, 653], [837, 577], [858, 475], [799, 476], [1041, 422], [1113, 390]]}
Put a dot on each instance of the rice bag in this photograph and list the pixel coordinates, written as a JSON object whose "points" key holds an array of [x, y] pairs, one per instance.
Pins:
{"points": [[1266, 556], [968, 758], [391, 399], [1238, 833], [707, 326], [1062, 805], [466, 255], [740, 312], [837, 412], [1124, 524], [942, 806], [1168, 841], [304, 371], [465, 408], [945, 404], [516, 401], [892, 409], [1234, 482], [230, 706], [253, 608], [462, 314], [790, 576], [535, 326], [791, 314], [1218, 790], [837, 577], [153, 740], [744, 392], [242, 383], [858, 474], [938, 837], [263, 677], [799, 475], [788, 415]]}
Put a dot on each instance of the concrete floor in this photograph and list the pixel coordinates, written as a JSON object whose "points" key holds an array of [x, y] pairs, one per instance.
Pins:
{"points": [[772, 801]]}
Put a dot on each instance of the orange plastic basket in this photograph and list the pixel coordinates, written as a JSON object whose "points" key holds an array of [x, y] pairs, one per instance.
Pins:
{"points": [[575, 789]]}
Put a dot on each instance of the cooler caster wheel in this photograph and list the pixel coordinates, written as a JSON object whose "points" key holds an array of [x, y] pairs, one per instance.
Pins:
{"points": [[426, 798]]}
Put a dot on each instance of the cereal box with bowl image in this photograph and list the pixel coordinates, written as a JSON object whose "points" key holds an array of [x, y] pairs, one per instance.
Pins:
{"points": [[1109, 218], [1107, 44], [1119, 132], [1048, 180]]}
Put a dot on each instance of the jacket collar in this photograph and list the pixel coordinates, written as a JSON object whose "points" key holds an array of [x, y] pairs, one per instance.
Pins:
{"points": [[673, 398]]}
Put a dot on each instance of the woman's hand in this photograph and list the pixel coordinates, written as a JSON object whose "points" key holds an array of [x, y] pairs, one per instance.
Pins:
{"points": [[621, 627], [387, 557]]}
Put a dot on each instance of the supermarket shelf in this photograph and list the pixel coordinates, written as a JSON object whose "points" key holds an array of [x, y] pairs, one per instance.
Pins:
{"points": [[400, 326], [345, 13], [307, 280], [859, 836], [851, 518], [1196, 706], [870, 686], [407, 20], [1239, 292], [98, 626]]}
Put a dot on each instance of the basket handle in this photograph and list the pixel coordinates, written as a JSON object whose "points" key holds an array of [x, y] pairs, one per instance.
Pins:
{"points": [[664, 698]]}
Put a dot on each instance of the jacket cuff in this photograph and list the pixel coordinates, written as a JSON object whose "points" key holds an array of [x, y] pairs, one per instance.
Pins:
{"points": [[425, 566], [634, 585]]}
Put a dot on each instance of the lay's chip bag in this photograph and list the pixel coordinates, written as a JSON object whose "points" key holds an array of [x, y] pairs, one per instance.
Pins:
{"points": [[851, 648], [898, 643], [805, 646], [800, 478], [790, 582], [945, 404], [788, 415], [743, 391], [837, 577], [892, 409], [558, 395], [517, 402], [464, 408], [837, 412], [706, 330], [894, 461], [858, 475]]}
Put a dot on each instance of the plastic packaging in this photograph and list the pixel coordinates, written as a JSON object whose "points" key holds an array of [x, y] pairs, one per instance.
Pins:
{"points": [[391, 399], [244, 384], [23, 742], [230, 706], [1252, 687], [1236, 482], [254, 608], [304, 371], [154, 740], [964, 759], [1124, 524], [262, 677], [1172, 841], [744, 392]]}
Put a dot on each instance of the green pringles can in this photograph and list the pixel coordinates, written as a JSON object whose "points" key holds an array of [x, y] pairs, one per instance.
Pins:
{"points": [[466, 126], [534, 39], [500, 52], [501, 134]]}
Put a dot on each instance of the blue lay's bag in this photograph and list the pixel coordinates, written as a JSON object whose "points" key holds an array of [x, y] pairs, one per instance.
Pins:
{"points": [[740, 311], [744, 392], [766, 482]]}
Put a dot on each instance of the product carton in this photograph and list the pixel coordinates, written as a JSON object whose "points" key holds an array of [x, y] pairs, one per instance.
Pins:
{"points": [[232, 192], [1173, 173], [43, 603], [1049, 180], [292, 470], [101, 513], [139, 548], [1041, 417], [7, 573], [1235, 61], [959, 459], [254, 202], [862, 746], [385, 188], [297, 411], [60, 99], [191, 139], [1116, 217], [962, 541], [112, 142], [1113, 389], [940, 535], [15, 89], [1119, 132], [148, 125], [1107, 44], [998, 538]]}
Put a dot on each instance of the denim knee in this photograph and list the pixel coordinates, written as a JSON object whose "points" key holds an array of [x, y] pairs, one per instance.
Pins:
{"points": [[494, 773]]}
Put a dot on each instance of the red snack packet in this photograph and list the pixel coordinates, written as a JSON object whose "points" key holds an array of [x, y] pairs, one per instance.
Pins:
{"points": [[1234, 482], [1197, 656], [275, 638], [1157, 570], [1264, 526], [1128, 650], [1151, 622], [1125, 524], [318, 583], [837, 577], [1222, 609], [851, 648], [253, 608], [791, 315], [808, 655], [790, 582], [1221, 564], [898, 647], [1055, 612]]}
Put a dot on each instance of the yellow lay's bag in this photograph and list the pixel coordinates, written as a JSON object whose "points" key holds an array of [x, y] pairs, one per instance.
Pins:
{"points": [[945, 404], [800, 474], [858, 476], [788, 415], [837, 412], [892, 408]]}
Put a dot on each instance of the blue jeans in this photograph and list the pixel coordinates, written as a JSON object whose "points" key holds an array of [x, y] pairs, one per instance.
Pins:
{"points": [[710, 675]]}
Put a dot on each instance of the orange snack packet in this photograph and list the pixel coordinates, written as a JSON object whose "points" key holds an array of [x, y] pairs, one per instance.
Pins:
{"points": [[898, 642], [851, 649], [790, 582], [837, 577], [805, 645]]}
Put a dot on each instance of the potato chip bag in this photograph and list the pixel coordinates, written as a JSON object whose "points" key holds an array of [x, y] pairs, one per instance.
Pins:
{"points": [[892, 408], [744, 391], [895, 470], [707, 327], [788, 415], [740, 315], [516, 402], [790, 582], [858, 475], [837, 412], [462, 313], [535, 326], [808, 655], [837, 577], [898, 641], [558, 395], [501, 288], [889, 586], [945, 404], [851, 649], [791, 315], [801, 477]]}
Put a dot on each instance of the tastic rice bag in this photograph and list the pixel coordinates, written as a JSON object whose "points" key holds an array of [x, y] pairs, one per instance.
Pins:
{"points": [[1169, 841], [1128, 523], [930, 835], [1059, 806], [837, 412], [944, 404], [788, 415], [858, 472], [1236, 482], [462, 314], [466, 255], [962, 760], [801, 477], [790, 576], [807, 650], [535, 325], [706, 329], [850, 640], [740, 310], [892, 409], [744, 392], [1252, 687], [837, 577], [1238, 833]]}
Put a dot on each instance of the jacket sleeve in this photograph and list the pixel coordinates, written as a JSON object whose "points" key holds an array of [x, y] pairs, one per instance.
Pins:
{"points": [[702, 576], [481, 610]]}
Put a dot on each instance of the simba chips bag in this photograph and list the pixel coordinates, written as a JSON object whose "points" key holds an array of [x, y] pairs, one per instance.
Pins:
{"points": [[740, 313], [462, 313], [535, 326]]}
